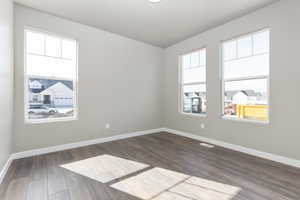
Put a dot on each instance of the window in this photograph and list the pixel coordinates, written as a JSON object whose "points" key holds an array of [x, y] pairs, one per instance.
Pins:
{"points": [[50, 77], [245, 76], [193, 82]]}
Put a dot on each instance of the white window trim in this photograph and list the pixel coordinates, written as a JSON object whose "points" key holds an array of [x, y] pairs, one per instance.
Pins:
{"points": [[222, 80], [181, 84], [55, 57], [25, 76]]}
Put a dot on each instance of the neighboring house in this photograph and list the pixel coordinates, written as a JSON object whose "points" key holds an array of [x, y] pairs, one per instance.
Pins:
{"points": [[241, 98], [59, 95], [190, 95], [35, 85], [202, 95], [53, 93], [244, 97]]}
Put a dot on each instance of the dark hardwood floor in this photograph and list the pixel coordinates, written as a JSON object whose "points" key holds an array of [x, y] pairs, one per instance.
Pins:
{"points": [[43, 178]]}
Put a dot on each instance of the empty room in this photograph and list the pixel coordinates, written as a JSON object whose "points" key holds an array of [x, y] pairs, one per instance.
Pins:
{"points": [[149, 100]]}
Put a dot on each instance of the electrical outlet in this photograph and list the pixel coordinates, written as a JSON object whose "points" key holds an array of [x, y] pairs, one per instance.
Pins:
{"points": [[107, 125], [202, 125]]}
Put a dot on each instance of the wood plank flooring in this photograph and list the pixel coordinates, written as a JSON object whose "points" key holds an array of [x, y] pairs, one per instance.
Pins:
{"points": [[43, 178]]}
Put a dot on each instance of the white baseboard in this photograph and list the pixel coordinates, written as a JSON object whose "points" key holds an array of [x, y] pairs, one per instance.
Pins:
{"points": [[253, 152], [35, 152], [46, 150], [5, 169]]}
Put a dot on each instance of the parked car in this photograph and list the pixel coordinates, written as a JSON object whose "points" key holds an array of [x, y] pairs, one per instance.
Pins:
{"points": [[41, 110]]}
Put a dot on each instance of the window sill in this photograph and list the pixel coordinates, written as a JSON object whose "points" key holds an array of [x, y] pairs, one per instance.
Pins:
{"points": [[194, 115], [45, 121], [245, 120]]}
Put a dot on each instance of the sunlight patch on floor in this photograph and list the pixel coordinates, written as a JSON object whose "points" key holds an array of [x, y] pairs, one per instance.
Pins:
{"points": [[104, 168], [150, 183], [162, 184], [170, 196], [153, 184], [199, 192], [213, 185]]}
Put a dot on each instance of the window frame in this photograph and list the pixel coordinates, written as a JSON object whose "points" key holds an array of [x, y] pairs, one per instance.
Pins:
{"points": [[181, 84], [223, 81], [27, 120]]}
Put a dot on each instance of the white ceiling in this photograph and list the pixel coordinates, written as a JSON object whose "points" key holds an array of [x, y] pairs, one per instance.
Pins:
{"points": [[161, 24]]}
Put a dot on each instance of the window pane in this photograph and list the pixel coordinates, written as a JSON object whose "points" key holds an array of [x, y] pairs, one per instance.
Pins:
{"points": [[186, 61], [194, 99], [193, 75], [68, 49], [53, 46], [246, 99], [244, 47], [50, 67], [195, 59], [35, 43], [250, 66], [261, 42], [49, 98], [203, 57], [51, 79], [229, 50]]}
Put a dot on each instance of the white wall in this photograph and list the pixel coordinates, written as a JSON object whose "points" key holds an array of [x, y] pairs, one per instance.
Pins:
{"points": [[112, 67], [281, 136], [119, 82], [6, 79]]}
